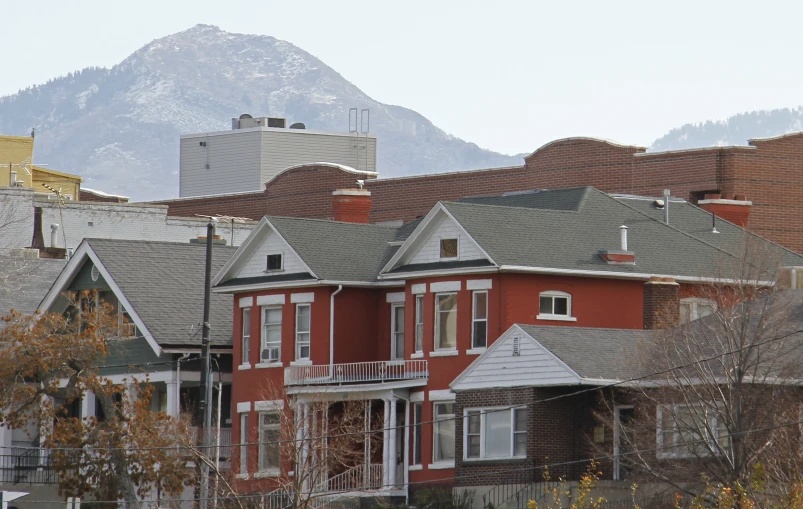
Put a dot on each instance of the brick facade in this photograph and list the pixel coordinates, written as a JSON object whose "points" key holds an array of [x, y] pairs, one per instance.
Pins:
{"points": [[767, 172], [661, 304], [557, 432]]}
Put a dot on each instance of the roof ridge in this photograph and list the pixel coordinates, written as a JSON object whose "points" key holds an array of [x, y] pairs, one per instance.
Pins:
{"points": [[332, 221], [534, 209], [144, 241]]}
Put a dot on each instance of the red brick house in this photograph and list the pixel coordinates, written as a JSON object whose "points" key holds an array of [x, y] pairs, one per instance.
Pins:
{"points": [[766, 171], [394, 315]]}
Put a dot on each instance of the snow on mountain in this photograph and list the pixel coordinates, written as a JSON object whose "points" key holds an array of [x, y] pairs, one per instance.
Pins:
{"points": [[119, 128], [735, 130]]}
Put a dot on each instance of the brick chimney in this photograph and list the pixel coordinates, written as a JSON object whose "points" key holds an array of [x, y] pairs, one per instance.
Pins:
{"points": [[619, 256], [351, 205], [661, 303], [733, 208]]}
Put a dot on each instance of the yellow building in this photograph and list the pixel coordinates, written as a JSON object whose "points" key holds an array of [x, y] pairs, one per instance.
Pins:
{"points": [[17, 169]]}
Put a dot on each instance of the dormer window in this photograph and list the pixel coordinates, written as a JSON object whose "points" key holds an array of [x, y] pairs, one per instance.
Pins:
{"points": [[554, 305], [448, 248], [274, 263]]}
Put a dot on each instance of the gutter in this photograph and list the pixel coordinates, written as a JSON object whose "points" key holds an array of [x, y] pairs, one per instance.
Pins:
{"points": [[332, 329]]}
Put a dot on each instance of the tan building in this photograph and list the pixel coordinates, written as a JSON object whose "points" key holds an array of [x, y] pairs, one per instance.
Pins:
{"points": [[17, 170]]}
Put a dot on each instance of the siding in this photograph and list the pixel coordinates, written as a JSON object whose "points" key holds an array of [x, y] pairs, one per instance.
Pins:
{"points": [[130, 356], [255, 266], [447, 229], [498, 367], [234, 162], [282, 149]]}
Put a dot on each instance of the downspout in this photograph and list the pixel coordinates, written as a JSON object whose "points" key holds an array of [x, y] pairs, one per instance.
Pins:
{"points": [[332, 329]]}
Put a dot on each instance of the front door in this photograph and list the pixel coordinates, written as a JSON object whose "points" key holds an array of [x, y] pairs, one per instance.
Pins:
{"points": [[621, 443]]}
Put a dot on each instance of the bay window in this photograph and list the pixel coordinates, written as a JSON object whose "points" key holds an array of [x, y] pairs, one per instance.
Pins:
{"points": [[446, 321], [492, 433]]}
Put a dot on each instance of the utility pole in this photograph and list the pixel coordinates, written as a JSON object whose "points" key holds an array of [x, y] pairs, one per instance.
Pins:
{"points": [[203, 416]]}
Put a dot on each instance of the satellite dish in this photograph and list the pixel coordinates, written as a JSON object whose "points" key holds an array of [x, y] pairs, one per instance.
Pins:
{"points": [[298, 125], [245, 115]]}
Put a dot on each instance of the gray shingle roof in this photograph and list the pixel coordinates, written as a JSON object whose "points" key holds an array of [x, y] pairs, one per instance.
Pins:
{"points": [[338, 251], [558, 199], [593, 352], [563, 239], [164, 283], [25, 282]]}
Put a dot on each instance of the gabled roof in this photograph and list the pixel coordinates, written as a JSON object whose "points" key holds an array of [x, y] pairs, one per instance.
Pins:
{"points": [[565, 233], [552, 355], [331, 251], [160, 284]]}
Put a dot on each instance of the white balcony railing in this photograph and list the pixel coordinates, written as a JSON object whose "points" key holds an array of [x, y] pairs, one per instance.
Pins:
{"points": [[356, 372], [359, 478]]}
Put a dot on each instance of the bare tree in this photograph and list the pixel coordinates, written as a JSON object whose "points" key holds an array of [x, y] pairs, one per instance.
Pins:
{"points": [[52, 361], [724, 401], [313, 447]]}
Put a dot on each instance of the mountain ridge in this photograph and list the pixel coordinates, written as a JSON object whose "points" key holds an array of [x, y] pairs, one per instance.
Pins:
{"points": [[119, 127]]}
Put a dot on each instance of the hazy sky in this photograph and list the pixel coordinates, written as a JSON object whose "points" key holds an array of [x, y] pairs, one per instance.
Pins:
{"points": [[507, 75]]}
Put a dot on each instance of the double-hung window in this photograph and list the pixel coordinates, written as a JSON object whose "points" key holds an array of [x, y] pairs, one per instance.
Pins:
{"points": [[445, 321], [269, 424], [271, 334], [491, 433], [243, 443], [417, 420], [686, 431], [246, 344], [302, 332], [419, 323], [479, 320], [554, 305], [443, 450], [397, 339]]}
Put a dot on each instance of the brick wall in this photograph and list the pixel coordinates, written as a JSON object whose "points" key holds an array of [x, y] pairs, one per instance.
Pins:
{"points": [[90, 196], [556, 432], [768, 173], [661, 304]]}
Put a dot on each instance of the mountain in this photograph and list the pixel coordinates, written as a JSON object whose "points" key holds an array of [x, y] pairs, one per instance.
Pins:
{"points": [[119, 128], [735, 130]]}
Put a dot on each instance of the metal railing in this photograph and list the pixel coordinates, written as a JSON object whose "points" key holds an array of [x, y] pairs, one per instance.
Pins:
{"points": [[359, 478], [356, 372], [516, 495], [33, 466]]}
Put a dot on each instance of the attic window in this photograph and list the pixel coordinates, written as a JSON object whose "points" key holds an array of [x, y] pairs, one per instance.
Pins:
{"points": [[274, 262], [94, 273], [448, 248]]}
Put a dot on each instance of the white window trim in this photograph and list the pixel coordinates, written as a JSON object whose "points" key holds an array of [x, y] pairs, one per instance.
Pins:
{"points": [[440, 463], [309, 334], [479, 284], [243, 406], [418, 336], [695, 302], [243, 447], [441, 239], [417, 355], [394, 298], [246, 302], [264, 365], [474, 318], [476, 351], [270, 300], [549, 316], [245, 342], [269, 471], [447, 352], [418, 288], [437, 333], [393, 332], [280, 269], [445, 395], [302, 298], [483, 412], [262, 344], [676, 450]]}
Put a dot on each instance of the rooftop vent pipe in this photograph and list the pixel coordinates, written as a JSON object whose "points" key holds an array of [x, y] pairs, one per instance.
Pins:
{"points": [[623, 237], [666, 206], [54, 235]]}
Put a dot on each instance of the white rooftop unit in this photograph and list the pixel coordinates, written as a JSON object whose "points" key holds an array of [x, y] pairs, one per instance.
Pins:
{"points": [[254, 151]]}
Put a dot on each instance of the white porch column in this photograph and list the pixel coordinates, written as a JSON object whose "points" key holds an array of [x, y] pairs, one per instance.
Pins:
{"points": [[394, 423], [88, 405], [172, 398], [406, 443], [306, 468], [386, 445]]}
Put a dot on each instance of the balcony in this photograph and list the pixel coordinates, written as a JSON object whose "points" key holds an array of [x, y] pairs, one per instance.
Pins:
{"points": [[356, 372]]}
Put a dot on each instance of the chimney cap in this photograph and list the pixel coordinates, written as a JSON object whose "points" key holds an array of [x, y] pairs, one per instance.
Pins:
{"points": [[351, 192], [623, 227]]}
